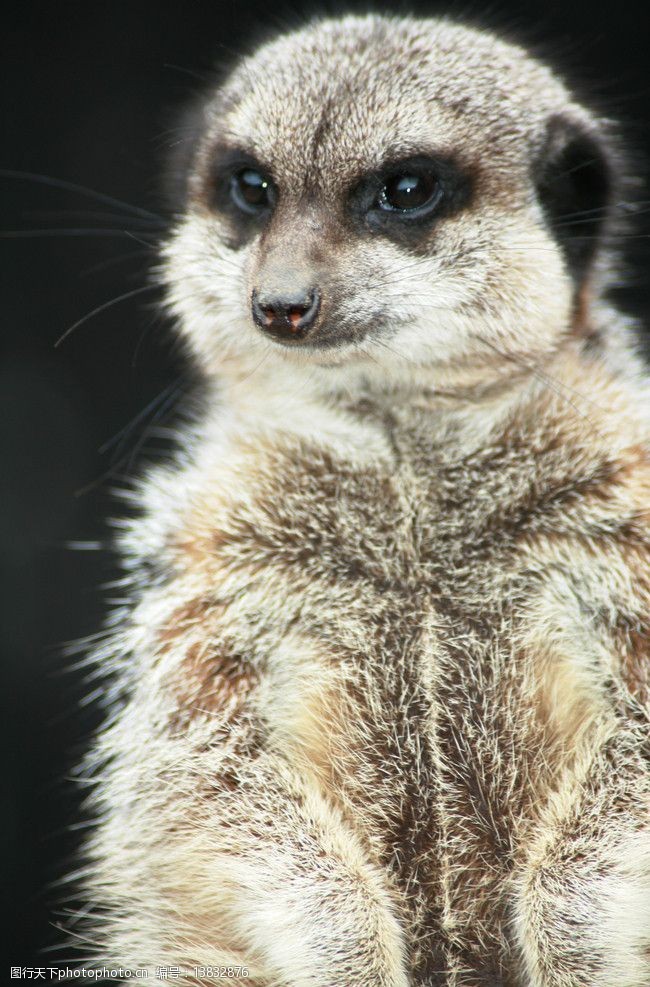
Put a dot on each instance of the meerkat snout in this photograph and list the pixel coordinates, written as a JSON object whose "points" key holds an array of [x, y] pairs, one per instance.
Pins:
{"points": [[288, 316]]}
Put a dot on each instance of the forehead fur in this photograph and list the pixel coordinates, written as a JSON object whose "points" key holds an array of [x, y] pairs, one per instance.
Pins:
{"points": [[360, 90]]}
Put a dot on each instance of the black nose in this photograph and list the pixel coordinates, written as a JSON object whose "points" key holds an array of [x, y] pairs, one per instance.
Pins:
{"points": [[287, 317]]}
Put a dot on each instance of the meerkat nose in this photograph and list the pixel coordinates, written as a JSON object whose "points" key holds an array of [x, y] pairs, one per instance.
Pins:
{"points": [[288, 317]]}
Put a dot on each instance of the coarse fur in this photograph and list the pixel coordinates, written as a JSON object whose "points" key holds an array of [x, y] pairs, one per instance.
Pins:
{"points": [[382, 683]]}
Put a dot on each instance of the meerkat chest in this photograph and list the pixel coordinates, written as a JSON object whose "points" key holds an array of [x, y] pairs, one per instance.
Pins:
{"points": [[356, 574], [362, 623], [426, 537], [317, 524]]}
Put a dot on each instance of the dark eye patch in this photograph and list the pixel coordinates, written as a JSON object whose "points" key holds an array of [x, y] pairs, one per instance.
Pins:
{"points": [[403, 198], [236, 183], [241, 190]]}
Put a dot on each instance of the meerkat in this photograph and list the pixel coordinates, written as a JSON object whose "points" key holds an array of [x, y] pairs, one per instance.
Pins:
{"points": [[381, 685]]}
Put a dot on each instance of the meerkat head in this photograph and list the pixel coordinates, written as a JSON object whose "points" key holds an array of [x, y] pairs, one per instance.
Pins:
{"points": [[388, 200]]}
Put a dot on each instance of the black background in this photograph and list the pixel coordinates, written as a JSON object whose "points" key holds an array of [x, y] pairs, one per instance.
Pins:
{"points": [[88, 94]]}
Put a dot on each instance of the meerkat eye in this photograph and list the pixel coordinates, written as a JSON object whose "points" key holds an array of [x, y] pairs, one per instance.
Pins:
{"points": [[409, 192], [404, 197], [251, 190]]}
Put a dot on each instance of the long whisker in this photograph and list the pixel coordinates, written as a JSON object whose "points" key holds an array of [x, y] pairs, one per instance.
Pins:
{"points": [[61, 183], [158, 407], [88, 214], [91, 231], [102, 308], [102, 265], [393, 352], [556, 386], [199, 76], [257, 365]]}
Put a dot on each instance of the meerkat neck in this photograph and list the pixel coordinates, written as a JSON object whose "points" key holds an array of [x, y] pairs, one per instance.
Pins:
{"points": [[359, 412], [329, 405]]}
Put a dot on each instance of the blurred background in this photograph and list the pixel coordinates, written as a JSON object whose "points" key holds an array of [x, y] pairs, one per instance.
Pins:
{"points": [[88, 98]]}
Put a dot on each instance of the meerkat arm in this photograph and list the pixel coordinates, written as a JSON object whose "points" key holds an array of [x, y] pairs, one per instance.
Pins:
{"points": [[582, 898], [267, 874], [582, 911]]}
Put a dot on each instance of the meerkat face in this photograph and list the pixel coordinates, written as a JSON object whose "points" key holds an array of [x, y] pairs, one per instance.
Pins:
{"points": [[386, 197]]}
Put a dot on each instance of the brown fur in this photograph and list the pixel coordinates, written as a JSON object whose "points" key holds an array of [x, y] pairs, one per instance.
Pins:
{"points": [[388, 715]]}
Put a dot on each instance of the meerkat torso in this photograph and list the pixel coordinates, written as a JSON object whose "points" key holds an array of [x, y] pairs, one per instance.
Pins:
{"points": [[382, 701]]}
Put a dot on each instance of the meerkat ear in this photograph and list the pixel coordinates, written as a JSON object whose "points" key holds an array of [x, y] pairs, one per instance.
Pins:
{"points": [[574, 176]]}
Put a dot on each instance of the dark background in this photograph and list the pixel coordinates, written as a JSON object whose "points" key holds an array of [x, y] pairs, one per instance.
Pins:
{"points": [[87, 97]]}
